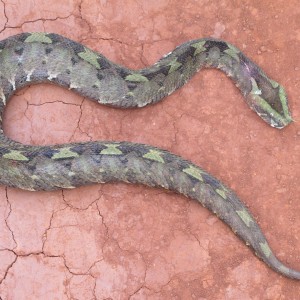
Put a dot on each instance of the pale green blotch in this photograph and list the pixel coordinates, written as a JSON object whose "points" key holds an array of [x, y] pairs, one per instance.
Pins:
{"points": [[221, 193], [174, 65], [34, 177], [161, 89], [91, 57], [136, 78], [194, 172], [199, 47], [130, 95], [233, 52], [15, 155], [65, 153], [154, 155], [255, 90], [284, 103], [111, 149], [274, 83], [284, 269], [38, 37], [244, 215], [265, 248]]}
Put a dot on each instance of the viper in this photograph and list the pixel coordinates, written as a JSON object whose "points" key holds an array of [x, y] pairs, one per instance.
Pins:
{"points": [[31, 58]]}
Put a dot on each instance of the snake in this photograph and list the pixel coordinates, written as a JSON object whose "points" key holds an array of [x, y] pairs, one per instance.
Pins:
{"points": [[36, 57]]}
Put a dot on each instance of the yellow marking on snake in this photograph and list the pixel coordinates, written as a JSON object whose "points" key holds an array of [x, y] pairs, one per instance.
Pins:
{"points": [[40, 37], [284, 269], [199, 47], [15, 155], [265, 248], [136, 78], [255, 89], [233, 52], [221, 193], [174, 65], [194, 172], [129, 94], [244, 215], [65, 153], [111, 149], [91, 57], [154, 155]]}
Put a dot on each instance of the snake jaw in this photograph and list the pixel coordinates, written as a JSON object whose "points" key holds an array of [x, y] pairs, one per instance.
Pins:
{"points": [[274, 118]]}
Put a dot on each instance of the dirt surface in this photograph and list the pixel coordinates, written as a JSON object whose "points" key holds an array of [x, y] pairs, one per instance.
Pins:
{"points": [[118, 241]]}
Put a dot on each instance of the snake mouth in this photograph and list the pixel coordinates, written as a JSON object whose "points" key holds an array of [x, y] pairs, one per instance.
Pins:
{"points": [[275, 120]]}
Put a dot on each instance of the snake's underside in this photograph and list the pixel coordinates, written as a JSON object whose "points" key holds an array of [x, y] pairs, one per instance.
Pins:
{"points": [[39, 57]]}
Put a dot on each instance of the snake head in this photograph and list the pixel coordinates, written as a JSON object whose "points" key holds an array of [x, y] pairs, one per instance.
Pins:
{"points": [[269, 100]]}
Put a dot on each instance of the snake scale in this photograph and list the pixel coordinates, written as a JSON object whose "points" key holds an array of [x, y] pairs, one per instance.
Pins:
{"points": [[46, 57]]}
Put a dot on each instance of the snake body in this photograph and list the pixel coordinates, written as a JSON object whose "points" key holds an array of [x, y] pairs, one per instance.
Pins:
{"points": [[41, 57]]}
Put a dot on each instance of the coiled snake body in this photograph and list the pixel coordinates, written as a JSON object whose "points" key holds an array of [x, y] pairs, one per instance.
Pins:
{"points": [[39, 57]]}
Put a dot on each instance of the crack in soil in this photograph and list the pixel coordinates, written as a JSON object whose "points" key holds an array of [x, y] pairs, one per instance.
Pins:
{"points": [[6, 219]]}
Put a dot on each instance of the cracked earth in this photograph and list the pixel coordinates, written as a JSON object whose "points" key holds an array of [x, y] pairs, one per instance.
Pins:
{"points": [[117, 241]]}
